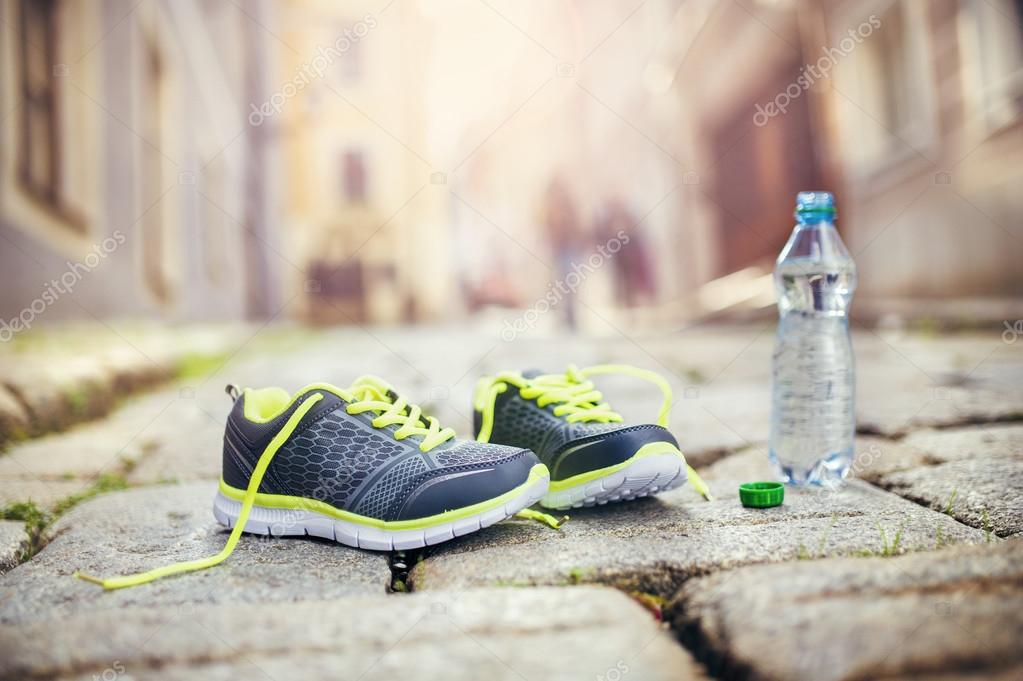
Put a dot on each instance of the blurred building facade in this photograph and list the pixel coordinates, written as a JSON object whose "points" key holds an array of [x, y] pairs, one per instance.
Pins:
{"points": [[368, 238], [130, 184], [911, 111], [415, 161]]}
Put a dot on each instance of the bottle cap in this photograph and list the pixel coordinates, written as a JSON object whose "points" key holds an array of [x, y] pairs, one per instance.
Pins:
{"points": [[761, 494], [815, 204]]}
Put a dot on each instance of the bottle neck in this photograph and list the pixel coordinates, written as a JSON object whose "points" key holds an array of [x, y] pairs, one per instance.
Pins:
{"points": [[804, 221], [808, 218]]}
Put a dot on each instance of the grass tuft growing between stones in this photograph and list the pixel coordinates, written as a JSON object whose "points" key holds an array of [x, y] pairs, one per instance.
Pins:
{"points": [[653, 603], [36, 521], [986, 525], [887, 549], [950, 505], [107, 482], [580, 575], [803, 554]]}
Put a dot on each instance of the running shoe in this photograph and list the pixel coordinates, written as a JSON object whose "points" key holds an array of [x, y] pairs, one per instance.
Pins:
{"points": [[361, 466], [592, 455]]}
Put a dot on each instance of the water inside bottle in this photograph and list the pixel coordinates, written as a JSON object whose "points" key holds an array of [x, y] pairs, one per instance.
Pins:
{"points": [[813, 411]]}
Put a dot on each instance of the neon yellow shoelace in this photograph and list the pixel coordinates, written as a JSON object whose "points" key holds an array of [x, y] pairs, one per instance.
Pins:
{"points": [[243, 516], [365, 394], [576, 397], [370, 393]]}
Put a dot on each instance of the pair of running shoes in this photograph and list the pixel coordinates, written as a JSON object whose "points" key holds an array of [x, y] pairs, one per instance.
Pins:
{"points": [[364, 467]]}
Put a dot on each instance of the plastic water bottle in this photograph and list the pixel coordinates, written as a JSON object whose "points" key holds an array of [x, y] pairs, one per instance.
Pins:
{"points": [[813, 419]]}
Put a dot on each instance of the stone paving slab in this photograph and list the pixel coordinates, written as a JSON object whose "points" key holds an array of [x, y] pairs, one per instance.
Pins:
{"points": [[14, 419], [552, 633], [12, 540], [45, 493], [942, 446], [983, 493], [956, 613], [875, 456], [655, 544], [70, 373], [161, 419], [909, 381], [975, 474], [125, 532], [894, 411]]}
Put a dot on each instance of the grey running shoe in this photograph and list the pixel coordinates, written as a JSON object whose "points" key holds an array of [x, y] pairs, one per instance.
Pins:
{"points": [[365, 468], [593, 457]]}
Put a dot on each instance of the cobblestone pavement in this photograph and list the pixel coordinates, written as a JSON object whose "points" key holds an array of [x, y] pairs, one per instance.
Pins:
{"points": [[912, 570]]}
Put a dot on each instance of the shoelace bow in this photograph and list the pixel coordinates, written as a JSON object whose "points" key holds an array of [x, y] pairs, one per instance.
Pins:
{"points": [[372, 394], [577, 399]]}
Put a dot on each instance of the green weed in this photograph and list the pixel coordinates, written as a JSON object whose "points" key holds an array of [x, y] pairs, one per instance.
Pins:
{"points": [[951, 503], [107, 482], [986, 524], [36, 521]]}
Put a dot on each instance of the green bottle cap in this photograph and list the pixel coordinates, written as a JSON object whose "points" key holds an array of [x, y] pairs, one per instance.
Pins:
{"points": [[761, 494]]}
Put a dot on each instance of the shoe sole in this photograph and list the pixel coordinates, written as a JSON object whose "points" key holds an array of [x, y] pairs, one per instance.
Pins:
{"points": [[653, 468], [368, 533]]}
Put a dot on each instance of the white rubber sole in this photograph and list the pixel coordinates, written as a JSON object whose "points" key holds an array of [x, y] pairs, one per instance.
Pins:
{"points": [[279, 522], [644, 476]]}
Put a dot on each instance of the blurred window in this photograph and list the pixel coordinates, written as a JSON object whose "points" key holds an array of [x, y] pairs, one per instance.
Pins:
{"points": [[39, 155], [998, 59], [155, 265], [889, 87], [354, 176], [49, 179]]}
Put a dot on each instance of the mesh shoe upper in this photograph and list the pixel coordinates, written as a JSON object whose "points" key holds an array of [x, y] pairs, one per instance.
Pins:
{"points": [[567, 448], [342, 460]]}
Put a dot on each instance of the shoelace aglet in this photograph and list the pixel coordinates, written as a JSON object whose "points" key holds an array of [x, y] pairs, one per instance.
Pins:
{"points": [[88, 578], [541, 517], [113, 583], [698, 484], [250, 494]]}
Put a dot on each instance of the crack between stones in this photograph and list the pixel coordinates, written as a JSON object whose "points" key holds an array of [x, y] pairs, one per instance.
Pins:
{"points": [[899, 435]]}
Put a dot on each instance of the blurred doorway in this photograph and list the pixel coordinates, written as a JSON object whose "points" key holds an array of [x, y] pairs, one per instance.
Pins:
{"points": [[759, 169]]}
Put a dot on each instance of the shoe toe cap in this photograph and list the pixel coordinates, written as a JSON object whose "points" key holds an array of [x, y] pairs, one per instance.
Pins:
{"points": [[606, 449], [458, 486]]}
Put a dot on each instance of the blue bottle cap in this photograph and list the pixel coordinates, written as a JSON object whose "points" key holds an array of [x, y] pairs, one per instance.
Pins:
{"points": [[809, 203]]}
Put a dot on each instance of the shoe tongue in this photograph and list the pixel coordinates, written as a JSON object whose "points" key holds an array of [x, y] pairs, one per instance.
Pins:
{"points": [[531, 373]]}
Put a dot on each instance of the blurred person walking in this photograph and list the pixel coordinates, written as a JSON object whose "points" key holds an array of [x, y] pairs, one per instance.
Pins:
{"points": [[635, 280], [562, 227]]}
